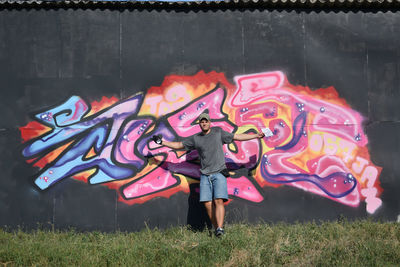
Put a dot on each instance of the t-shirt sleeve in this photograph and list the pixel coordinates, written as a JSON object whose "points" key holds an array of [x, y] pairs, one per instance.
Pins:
{"points": [[226, 137], [188, 143]]}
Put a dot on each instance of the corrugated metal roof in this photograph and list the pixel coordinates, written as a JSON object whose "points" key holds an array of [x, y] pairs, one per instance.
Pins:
{"points": [[386, 4]]}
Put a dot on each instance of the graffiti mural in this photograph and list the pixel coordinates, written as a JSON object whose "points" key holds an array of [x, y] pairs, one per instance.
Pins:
{"points": [[317, 143]]}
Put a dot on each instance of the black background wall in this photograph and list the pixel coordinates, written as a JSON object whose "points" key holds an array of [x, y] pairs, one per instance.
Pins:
{"points": [[48, 55]]}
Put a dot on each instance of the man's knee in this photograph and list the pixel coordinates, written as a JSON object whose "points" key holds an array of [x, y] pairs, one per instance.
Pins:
{"points": [[219, 201], [207, 203]]}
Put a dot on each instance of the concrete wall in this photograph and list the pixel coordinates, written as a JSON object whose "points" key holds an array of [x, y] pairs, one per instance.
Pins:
{"points": [[82, 91]]}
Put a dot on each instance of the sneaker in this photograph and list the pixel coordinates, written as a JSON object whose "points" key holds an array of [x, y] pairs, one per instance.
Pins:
{"points": [[219, 232]]}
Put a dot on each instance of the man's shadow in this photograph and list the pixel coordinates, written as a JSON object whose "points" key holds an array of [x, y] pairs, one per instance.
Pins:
{"points": [[197, 218]]}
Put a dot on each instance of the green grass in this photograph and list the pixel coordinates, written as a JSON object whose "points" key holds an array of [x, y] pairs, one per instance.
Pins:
{"points": [[360, 243]]}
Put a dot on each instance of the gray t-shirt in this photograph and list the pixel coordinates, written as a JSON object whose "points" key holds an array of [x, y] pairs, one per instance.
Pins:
{"points": [[209, 147]]}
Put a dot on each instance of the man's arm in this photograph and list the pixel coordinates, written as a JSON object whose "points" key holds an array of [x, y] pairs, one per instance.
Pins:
{"points": [[245, 137], [173, 145]]}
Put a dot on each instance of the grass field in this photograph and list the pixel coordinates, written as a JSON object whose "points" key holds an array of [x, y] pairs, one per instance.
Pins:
{"points": [[361, 243]]}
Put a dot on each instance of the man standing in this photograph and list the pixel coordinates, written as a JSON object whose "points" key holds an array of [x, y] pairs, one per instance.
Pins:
{"points": [[213, 186]]}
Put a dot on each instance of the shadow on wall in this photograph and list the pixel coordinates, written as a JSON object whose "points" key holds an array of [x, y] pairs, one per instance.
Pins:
{"points": [[197, 218]]}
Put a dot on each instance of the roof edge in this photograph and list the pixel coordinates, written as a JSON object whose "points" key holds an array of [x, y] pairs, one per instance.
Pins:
{"points": [[328, 5]]}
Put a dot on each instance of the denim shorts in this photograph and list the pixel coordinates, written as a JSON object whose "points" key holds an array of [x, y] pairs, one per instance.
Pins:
{"points": [[213, 186]]}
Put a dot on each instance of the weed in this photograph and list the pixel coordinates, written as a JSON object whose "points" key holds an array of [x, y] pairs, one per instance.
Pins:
{"points": [[343, 243]]}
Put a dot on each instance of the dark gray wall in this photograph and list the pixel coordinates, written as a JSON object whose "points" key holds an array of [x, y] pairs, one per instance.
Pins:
{"points": [[47, 56]]}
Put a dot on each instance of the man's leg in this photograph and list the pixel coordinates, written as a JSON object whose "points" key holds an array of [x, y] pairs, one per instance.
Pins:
{"points": [[211, 212], [206, 197], [219, 212], [220, 194]]}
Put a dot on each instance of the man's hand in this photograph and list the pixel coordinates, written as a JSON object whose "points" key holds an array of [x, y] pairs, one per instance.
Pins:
{"points": [[260, 135], [157, 139]]}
